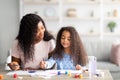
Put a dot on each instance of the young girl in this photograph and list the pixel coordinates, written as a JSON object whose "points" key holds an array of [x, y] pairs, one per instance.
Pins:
{"points": [[69, 53]]}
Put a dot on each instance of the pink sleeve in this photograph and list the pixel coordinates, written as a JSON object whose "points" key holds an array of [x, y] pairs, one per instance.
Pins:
{"points": [[15, 51]]}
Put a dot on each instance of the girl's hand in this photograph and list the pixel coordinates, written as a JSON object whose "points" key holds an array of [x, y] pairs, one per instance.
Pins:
{"points": [[78, 67], [42, 64], [14, 65]]}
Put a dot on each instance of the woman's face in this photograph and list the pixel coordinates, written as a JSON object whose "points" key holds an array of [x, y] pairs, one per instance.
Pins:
{"points": [[40, 32], [65, 39]]}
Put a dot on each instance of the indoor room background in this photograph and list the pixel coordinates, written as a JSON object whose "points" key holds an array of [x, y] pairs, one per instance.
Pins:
{"points": [[89, 17]]}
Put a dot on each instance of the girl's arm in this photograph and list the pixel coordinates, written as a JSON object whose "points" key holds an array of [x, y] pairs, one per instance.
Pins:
{"points": [[49, 64]]}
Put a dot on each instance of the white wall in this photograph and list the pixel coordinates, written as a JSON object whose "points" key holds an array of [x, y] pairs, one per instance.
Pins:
{"points": [[102, 10], [9, 20]]}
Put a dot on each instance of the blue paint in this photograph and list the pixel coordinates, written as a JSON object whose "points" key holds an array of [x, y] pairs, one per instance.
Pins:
{"points": [[31, 71]]}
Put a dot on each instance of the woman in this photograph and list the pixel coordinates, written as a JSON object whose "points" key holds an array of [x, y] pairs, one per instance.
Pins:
{"points": [[32, 44]]}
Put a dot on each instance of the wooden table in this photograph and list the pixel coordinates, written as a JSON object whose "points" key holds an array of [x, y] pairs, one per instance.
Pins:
{"points": [[107, 76]]}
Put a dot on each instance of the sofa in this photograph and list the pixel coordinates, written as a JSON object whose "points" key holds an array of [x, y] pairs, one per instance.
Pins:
{"points": [[101, 49]]}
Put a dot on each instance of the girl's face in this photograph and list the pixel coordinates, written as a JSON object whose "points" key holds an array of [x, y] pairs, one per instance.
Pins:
{"points": [[40, 32], [65, 39]]}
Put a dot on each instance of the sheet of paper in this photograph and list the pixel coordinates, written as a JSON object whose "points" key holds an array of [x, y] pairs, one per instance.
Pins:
{"points": [[35, 73], [43, 73], [20, 72]]}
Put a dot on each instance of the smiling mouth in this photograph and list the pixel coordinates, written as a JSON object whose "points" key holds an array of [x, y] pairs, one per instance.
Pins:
{"points": [[65, 44]]}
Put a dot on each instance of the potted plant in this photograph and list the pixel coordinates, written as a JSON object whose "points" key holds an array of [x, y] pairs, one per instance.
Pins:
{"points": [[111, 25]]}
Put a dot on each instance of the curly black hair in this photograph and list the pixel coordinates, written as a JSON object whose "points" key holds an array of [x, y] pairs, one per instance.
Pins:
{"points": [[27, 34]]}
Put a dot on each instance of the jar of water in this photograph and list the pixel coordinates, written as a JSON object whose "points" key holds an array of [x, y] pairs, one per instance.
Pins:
{"points": [[92, 65]]}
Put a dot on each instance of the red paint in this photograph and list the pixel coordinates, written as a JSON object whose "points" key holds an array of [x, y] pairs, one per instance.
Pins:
{"points": [[15, 75]]}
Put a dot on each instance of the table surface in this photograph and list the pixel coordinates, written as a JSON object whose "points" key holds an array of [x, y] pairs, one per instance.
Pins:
{"points": [[107, 76]]}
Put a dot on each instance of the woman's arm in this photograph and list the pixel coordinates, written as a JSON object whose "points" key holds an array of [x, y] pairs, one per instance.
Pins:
{"points": [[15, 64], [16, 60]]}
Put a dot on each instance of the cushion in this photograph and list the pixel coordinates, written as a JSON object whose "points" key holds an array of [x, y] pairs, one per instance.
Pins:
{"points": [[99, 48], [115, 54]]}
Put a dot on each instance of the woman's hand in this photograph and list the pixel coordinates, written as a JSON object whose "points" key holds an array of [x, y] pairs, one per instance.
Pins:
{"points": [[14, 65], [78, 67]]}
